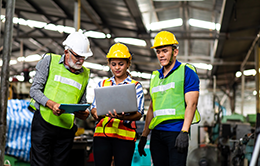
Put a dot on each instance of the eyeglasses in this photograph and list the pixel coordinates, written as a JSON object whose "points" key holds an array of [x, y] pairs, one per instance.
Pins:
{"points": [[77, 56]]}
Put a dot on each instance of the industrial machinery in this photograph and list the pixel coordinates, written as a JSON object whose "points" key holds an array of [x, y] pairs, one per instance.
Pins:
{"points": [[220, 140]]}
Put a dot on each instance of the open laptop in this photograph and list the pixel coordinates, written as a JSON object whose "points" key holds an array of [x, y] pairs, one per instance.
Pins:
{"points": [[122, 98]]}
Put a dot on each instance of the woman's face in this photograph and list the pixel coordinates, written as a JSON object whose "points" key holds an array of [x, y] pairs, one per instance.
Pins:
{"points": [[119, 67]]}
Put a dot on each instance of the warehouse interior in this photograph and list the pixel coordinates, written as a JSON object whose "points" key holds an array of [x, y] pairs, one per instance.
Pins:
{"points": [[219, 37]]}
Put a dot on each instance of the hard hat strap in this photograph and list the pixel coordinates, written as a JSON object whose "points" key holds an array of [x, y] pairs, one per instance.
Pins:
{"points": [[170, 62]]}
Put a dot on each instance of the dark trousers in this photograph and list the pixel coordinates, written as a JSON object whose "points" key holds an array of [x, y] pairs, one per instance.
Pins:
{"points": [[50, 145], [105, 147], [163, 151]]}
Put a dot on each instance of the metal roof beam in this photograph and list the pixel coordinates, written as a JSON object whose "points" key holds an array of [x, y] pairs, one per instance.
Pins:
{"points": [[95, 7]]}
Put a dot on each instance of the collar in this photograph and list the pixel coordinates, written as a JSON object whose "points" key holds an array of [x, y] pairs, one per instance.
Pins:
{"points": [[62, 60], [126, 81], [176, 65]]}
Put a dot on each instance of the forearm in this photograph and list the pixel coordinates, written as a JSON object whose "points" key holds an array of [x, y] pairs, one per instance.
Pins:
{"points": [[191, 99], [189, 114], [149, 117]]}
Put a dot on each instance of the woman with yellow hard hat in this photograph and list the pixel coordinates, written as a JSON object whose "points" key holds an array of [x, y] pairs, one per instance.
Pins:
{"points": [[115, 134]]}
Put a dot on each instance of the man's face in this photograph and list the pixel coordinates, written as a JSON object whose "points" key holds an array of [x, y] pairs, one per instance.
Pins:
{"points": [[164, 55], [74, 62]]}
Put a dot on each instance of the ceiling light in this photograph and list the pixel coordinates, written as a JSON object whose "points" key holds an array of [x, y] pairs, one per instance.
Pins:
{"points": [[238, 74], [249, 72], [95, 34], [36, 24], [12, 62], [95, 66], [108, 36], [132, 41], [174, 0], [142, 75], [204, 24], [30, 58], [165, 24], [202, 66]]}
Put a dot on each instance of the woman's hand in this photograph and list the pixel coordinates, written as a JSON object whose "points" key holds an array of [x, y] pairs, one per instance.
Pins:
{"points": [[115, 115]]}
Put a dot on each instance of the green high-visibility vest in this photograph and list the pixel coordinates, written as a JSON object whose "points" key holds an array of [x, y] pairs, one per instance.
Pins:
{"points": [[168, 97], [63, 87]]}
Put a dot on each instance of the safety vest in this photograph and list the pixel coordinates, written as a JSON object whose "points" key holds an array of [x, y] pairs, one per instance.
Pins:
{"points": [[112, 127], [64, 87], [168, 97]]}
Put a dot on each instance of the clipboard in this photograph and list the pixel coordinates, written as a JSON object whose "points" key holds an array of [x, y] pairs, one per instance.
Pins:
{"points": [[70, 108]]}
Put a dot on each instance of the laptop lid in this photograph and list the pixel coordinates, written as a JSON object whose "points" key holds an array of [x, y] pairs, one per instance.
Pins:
{"points": [[122, 98]]}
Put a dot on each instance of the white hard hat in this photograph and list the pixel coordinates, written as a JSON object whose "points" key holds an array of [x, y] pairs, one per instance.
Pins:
{"points": [[79, 43]]}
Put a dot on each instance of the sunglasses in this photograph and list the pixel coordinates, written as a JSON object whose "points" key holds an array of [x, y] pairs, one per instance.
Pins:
{"points": [[77, 56]]}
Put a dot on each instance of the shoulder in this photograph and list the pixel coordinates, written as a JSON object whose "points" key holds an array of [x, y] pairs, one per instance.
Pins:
{"points": [[45, 61]]}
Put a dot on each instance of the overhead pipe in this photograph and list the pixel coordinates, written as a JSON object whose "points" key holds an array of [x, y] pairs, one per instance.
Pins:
{"points": [[7, 47]]}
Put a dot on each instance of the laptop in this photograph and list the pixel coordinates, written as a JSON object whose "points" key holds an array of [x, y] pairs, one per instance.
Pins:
{"points": [[122, 98]]}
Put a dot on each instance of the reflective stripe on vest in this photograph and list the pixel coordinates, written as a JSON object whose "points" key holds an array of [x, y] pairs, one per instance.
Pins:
{"points": [[64, 87], [168, 97], [111, 127]]}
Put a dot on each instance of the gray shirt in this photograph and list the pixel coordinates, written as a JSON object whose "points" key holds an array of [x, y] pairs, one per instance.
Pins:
{"points": [[40, 79]]}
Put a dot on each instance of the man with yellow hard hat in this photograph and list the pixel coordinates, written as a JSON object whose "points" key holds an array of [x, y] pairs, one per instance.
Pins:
{"points": [[174, 91]]}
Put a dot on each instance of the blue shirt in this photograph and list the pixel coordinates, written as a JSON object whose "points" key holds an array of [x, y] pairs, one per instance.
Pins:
{"points": [[191, 83], [139, 93]]}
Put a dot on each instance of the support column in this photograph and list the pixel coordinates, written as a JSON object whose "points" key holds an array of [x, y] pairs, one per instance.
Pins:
{"points": [[257, 64], [242, 92], [77, 7], [7, 47]]}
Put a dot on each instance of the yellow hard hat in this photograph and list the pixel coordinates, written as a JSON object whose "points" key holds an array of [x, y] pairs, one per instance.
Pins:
{"points": [[164, 38], [119, 50]]}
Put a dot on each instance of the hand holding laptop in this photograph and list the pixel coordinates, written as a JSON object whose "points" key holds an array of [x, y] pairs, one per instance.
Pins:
{"points": [[115, 115], [121, 98]]}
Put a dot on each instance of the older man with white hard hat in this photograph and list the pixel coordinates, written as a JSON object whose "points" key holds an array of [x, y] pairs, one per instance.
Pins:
{"points": [[59, 79]]}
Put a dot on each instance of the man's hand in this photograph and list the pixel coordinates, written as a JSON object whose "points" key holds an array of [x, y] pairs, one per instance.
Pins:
{"points": [[141, 145], [82, 114], [54, 107], [182, 142]]}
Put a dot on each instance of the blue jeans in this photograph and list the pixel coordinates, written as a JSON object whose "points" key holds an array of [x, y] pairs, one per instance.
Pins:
{"points": [[163, 151]]}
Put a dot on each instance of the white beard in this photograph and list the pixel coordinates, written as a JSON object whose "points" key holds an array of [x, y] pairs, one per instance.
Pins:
{"points": [[76, 65]]}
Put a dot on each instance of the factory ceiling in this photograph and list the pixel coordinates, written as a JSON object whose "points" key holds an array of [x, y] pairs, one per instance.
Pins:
{"points": [[228, 49]]}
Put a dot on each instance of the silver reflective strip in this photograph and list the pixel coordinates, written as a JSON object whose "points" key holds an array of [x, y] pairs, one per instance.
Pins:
{"points": [[161, 88], [67, 81], [164, 112]]}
